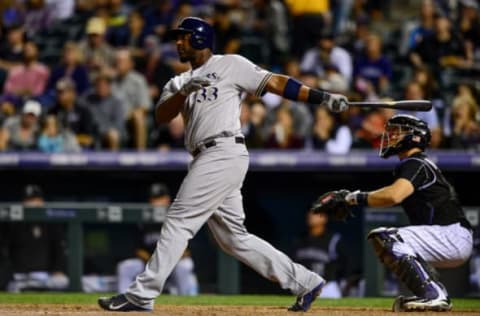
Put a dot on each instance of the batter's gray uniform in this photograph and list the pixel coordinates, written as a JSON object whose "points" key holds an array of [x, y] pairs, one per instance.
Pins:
{"points": [[211, 190]]}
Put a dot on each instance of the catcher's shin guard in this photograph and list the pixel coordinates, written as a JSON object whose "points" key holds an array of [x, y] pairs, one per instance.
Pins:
{"points": [[414, 272]]}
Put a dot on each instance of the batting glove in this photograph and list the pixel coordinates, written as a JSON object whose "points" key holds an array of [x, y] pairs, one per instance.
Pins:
{"points": [[194, 84], [336, 102]]}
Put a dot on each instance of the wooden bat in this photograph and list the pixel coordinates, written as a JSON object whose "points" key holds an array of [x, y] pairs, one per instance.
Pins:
{"points": [[408, 105]]}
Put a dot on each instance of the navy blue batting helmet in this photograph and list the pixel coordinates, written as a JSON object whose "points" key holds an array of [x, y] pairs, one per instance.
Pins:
{"points": [[202, 32]]}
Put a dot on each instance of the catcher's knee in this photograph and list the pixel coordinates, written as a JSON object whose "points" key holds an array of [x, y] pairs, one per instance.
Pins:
{"points": [[382, 240]]}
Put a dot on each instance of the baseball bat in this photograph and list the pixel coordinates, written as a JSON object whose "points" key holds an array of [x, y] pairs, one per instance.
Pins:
{"points": [[408, 105]]}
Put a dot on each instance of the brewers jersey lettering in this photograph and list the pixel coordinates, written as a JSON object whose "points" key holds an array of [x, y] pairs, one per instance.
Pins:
{"points": [[216, 108]]}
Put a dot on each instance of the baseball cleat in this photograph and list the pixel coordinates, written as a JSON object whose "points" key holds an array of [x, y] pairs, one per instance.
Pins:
{"points": [[411, 304], [304, 302], [119, 303], [398, 305]]}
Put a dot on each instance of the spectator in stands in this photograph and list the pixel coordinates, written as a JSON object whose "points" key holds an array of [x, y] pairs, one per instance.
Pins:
{"points": [[442, 49], [373, 70], [158, 17], [465, 129], [130, 35], [38, 17], [108, 112], [424, 77], [36, 251], [227, 39], [72, 66], [372, 126], [182, 280], [327, 52], [414, 91], [467, 89], [117, 13], [272, 18], [291, 67], [99, 55], [301, 112], [157, 72], [171, 135], [132, 88], [333, 80], [61, 9], [29, 79], [423, 26], [308, 17], [72, 116], [323, 252], [356, 40], [282, 134], [54, 140], [469, 26], [251, 121], [20, 132], [329, 134], [12, 47]]}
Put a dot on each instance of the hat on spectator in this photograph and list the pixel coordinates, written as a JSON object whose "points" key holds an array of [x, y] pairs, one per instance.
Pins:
{"points": [[65, 83], [32, 107], [32, 191], [158, 190], [96, 25]]}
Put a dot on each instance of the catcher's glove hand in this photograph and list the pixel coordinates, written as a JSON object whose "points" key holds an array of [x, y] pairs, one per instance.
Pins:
{"points": [[334, 204]]}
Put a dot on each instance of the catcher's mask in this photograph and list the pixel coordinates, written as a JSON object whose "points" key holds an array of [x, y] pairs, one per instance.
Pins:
{"points": [[403, 132]]}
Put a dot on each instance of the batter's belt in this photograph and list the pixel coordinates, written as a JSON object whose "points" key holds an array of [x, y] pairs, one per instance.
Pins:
{"points": [[211, 142]]}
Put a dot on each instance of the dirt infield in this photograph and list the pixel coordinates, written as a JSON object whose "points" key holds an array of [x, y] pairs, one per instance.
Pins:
{"points": [[188, 310]]}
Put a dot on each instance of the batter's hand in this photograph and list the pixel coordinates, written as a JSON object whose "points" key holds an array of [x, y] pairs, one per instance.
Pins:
{"points": [[194, 84], [336, 102]]}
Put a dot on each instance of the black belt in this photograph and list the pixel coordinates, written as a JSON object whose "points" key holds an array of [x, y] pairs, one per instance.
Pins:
{"points": [[211, 143]]}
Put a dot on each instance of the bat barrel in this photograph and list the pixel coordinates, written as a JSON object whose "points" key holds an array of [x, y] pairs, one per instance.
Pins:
{"points": [[407, 105]]}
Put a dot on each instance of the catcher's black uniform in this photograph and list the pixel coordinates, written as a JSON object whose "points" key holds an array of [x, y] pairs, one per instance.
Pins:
{"points": [[434, 201]]}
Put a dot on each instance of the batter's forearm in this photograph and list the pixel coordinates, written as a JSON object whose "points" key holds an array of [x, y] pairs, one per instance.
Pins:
{"points": [[167, 110], [294, 90]]}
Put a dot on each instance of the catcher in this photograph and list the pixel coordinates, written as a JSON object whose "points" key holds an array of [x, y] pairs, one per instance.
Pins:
{"points": [[439, 234]]}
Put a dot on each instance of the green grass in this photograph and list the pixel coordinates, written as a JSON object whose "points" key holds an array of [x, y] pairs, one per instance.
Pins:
{"points": [[254, 300]]}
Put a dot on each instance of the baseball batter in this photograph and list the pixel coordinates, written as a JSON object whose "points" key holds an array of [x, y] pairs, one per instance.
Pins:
{"points": [[439, 234], [208, 96]]}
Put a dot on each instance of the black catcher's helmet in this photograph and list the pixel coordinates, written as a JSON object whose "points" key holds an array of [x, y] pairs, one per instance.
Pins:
{"points": [[403, 132]]}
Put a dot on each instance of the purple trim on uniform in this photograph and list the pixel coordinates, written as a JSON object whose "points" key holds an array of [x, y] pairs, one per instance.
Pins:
{"points": [[429, 164], [429, 291], [430, 218]]}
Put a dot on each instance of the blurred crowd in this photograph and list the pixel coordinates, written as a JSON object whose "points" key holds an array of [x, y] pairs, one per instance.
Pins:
{"points": [[84, 75]]}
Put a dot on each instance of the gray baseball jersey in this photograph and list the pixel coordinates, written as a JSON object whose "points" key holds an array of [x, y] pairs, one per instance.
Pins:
{"points": [[215, 109], [211, 190]]}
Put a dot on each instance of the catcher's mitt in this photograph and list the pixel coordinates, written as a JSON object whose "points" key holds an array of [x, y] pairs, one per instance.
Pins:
{"points": [[334, 204]]}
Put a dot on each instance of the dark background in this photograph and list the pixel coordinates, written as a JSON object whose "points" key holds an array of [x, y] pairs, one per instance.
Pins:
{"points": [[275, 204]]}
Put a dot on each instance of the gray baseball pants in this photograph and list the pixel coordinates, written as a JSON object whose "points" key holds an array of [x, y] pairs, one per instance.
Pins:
{"points": [[211, 193]]}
